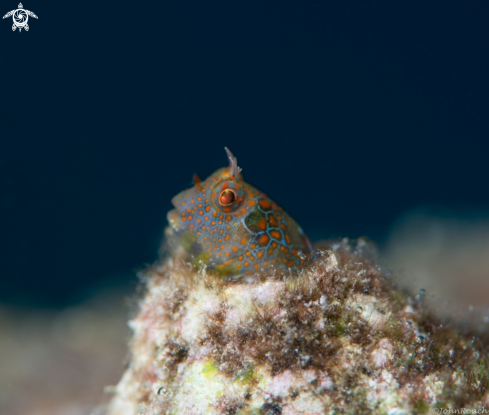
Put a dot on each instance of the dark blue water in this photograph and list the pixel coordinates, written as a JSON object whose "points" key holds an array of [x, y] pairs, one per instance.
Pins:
{"points": [[346, 113]]}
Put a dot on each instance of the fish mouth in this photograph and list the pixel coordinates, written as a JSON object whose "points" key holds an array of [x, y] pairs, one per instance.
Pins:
{"points": [[175, 220]]}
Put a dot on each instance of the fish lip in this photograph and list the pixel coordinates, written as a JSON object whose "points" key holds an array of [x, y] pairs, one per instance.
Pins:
{"points": [[174, 200], [175, 220]]}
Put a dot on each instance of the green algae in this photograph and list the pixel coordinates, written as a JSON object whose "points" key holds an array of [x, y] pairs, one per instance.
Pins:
{"points": [[210, 369], [246, 376]]}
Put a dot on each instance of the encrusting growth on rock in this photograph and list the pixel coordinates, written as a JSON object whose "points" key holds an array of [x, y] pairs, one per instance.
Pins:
{"points": [[335, 336], [338, 338]]}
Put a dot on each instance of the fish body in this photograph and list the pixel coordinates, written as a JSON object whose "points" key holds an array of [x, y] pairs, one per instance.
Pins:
{"points": [[234, 228]]}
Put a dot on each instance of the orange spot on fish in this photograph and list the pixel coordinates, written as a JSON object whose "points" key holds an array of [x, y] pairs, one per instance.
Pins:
{"points": [[265, 204], [273, 221], [276, 234]]}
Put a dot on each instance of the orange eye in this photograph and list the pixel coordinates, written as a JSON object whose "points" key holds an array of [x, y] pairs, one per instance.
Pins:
{"points": [[227, 197]]}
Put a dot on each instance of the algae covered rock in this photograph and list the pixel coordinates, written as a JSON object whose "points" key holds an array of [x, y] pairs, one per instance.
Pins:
{"points": [[338, 337]]}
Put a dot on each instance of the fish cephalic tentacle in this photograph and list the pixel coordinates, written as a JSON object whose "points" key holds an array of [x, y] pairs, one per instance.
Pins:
{"points": [[233, 163]]}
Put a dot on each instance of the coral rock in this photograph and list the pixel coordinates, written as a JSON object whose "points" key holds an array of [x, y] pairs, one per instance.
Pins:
{"points": [[337, 338]]}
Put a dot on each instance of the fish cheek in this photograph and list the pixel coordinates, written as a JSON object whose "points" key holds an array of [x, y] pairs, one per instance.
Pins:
{"points": [[256, 221], [188, 241], [190, 244]]}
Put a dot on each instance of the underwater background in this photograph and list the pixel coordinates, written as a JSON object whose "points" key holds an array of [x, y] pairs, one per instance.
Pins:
{"points": [[358, 118]]}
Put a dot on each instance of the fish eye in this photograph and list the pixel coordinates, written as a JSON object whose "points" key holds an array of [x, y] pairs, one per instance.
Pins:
{"points": [[227, 197]]}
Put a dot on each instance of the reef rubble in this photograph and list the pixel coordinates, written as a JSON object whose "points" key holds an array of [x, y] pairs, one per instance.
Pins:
{"points": [[340, 337]]}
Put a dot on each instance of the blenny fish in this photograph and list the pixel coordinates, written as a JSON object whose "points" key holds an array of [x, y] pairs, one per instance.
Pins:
{"points": [[235, 229]]}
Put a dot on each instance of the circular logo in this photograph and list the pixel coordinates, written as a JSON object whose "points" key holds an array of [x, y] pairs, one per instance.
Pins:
{"points": [[20, 17]]}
